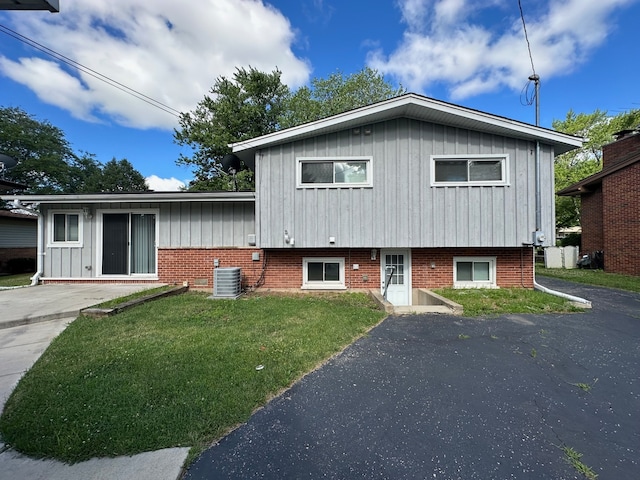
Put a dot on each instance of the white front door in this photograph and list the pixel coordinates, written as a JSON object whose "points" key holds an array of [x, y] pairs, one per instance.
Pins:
{"points": [[395, 276]]}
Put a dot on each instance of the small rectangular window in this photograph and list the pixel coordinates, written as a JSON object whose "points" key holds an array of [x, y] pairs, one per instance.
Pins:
{"points": [[323, 273], [472, 170], [334, 172], [66, 228], [474, 272]]}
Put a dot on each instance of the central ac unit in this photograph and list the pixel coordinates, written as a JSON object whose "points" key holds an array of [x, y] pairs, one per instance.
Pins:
{"points": [[227, 282]]}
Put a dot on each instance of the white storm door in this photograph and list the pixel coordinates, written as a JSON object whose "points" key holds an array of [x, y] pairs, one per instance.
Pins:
{"points": [[395, 276]]}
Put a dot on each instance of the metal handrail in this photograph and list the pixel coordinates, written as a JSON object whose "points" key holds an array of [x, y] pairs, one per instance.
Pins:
{"points": [[388, 280]]}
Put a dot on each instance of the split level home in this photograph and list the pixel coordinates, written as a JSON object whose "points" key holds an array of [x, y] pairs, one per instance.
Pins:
{"points": [[610, 205], [406, 193]]}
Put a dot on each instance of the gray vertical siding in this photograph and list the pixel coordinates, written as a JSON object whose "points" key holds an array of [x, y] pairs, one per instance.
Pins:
{"points": [[401, 209], [202, 224], [18, 233], [179, 224]]}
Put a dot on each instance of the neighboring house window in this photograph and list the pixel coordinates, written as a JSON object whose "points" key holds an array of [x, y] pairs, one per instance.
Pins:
{"points": [[334, 172], [323, 273], [66, 228], [469, 170], [474, 272]]}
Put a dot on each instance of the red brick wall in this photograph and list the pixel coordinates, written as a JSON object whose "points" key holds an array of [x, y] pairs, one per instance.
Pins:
{"points": [[7, 254], [620, 150], [195, 265], [621, 220], [514, 266], [591, 221]]}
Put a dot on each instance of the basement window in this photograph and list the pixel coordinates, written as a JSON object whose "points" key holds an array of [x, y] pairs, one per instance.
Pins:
{"points": [[474, 272], [323, 273]]}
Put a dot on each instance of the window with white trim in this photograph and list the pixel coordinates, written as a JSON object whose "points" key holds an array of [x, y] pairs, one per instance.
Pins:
{"points": [[474, 272], [323, 273], [66, 228], [461, 170], [337, 172]]}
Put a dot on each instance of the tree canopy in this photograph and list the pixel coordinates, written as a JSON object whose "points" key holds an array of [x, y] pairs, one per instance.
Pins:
{"points": [[48, 165], [254, 103], [597, 129]]}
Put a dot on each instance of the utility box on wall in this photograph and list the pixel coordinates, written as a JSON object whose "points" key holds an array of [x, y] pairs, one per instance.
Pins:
{"points": [[227, 282]]}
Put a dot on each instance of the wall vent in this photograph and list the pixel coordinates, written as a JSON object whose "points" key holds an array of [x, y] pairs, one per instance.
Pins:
{"points": [[227, 282]]}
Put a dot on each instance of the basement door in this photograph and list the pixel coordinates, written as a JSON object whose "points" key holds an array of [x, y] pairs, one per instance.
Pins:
{"points": [[395, 272], [128, 244]]}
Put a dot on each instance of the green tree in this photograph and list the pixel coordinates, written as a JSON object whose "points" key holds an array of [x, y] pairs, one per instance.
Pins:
{"points": [[117, 176], [254, 103], [597, 129], [48, 165], [336, 94], [246, 106], [43, 154]]}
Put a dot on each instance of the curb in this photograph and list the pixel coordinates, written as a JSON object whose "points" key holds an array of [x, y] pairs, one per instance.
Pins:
{"points": [[39, 319]]}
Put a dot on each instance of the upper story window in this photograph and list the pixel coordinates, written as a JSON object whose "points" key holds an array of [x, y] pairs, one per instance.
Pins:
{"points": [[66, 228], [334, 172], [469, 170]]}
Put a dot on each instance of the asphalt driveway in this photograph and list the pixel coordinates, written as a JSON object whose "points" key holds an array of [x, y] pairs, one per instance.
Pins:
{"points": [[442, 397]]}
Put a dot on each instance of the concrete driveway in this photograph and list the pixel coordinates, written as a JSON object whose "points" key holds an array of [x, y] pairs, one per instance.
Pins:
{"points": [[442, 397], [31, 317]]}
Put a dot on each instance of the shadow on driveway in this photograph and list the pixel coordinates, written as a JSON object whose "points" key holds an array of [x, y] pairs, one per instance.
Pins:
{"points": [[434, 396]]}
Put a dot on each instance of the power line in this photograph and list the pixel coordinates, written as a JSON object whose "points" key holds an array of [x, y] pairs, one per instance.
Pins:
{"points": [[104, 78], [526, 36], [529, 96]]}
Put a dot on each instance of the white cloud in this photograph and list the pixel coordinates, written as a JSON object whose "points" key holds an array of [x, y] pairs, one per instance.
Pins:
{"points": [[164, 184], [446, 43], [170, 51]]}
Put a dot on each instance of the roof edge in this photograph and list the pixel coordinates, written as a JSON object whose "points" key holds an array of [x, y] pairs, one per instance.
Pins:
{"points": [[400, 101], [158, 197]]}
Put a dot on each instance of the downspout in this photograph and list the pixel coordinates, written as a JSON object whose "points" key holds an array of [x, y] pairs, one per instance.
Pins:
{"points": [[40, 253], [538, 236]]}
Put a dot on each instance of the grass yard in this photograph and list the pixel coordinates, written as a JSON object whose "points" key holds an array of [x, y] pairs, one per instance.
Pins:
{"points": [[593, 277], [16, 280], [482, 301], [180, 371]]}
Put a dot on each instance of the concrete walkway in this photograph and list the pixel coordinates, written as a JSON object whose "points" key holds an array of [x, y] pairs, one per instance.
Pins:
{"points": [[30, 318]]}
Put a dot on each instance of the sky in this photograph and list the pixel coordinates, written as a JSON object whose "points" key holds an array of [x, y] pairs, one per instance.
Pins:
{"points": [[470, 52]]}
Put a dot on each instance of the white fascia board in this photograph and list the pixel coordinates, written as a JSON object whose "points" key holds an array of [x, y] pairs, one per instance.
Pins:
{"points": [[394, 107], [160, 197]]}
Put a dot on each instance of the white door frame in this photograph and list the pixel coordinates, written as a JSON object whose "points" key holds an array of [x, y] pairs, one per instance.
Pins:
{"points": [[100, 231], [405, 291]]}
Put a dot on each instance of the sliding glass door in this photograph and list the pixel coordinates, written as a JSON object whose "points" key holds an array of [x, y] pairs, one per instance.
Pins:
{"points": [[128, 243]]}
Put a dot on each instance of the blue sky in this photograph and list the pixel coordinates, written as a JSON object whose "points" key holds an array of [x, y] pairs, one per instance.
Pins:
{"points": [[469, 52]]}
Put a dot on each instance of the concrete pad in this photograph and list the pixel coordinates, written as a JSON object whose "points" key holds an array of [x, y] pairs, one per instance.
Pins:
{"points": [[27, 305], [163, 464]]}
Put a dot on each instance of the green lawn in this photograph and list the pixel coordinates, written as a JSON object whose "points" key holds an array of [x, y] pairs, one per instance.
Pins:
{"points": [[180, 371], [593, 277], [480, 301], [16, 280]]}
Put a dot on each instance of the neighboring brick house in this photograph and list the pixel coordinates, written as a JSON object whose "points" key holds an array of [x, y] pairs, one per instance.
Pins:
{"points": [[18, 233], [610, 205]]}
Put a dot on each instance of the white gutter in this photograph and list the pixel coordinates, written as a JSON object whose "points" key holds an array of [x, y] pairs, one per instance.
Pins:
{"points": [[40, 253]]}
